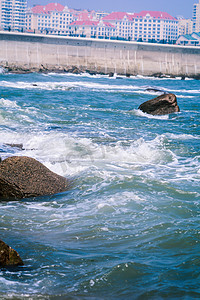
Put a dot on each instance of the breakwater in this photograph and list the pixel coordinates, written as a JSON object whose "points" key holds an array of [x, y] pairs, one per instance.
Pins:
{"points": [[24, 52]]}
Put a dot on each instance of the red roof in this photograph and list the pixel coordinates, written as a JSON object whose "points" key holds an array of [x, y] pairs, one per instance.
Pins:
{"points": [[85, 22], [108, 24], [90, 23], [154, 14], [115, 16], [39, 9]]}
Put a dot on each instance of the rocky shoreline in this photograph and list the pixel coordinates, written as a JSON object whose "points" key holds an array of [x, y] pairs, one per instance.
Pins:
{"points": [[76, 70]]}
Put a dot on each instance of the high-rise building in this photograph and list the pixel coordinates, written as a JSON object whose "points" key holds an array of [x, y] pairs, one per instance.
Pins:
{"points": [[196, 17], [13, 14], [185, 26]]}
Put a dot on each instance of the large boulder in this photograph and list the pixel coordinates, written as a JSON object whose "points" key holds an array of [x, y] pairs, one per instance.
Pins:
{"points": [[8, 256], [161, 105], [23, 177]]}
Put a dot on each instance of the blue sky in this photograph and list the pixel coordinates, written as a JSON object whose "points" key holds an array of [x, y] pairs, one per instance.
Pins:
{"points": [[173, 7]]}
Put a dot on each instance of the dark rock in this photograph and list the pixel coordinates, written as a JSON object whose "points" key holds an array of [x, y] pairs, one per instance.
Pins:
{"points": [[42, 68], [73, 70], [158, 75], [19, 146], [155, 90], [111, 74], [196, 76], [91, 72], [161, 75], [23, 177], [8, 256], [161, 105], [17, 70]]}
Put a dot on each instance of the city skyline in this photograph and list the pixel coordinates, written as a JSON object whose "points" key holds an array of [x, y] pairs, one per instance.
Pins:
{"points": [[175, 8]]}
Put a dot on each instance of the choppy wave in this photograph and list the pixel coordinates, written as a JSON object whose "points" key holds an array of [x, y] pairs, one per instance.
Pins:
{"points": [[98, 87], [131, 220], [140, 113], [68, 86]]}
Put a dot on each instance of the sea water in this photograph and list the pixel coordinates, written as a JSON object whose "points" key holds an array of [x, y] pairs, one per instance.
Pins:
{"points": [[129, 227]]}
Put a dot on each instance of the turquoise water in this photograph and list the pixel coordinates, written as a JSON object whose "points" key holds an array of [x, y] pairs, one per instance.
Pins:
{"points": [[129, 227]]}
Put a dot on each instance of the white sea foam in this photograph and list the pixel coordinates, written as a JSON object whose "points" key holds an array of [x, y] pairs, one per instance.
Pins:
{"points": [[66, 86], [138, 112], [181, 136], [67, 155], [94, 86], [188, 91], [8, 103], [2, 70], [7, 282]]}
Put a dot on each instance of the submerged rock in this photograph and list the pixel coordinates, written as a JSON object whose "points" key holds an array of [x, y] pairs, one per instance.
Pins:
{"points": [[155, 90], [23, 177], [8, 256], [161, 105], [19, 146]]}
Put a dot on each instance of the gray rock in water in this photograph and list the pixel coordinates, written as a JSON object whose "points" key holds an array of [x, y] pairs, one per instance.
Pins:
{"points": [[19, 146], [155, 90], [161, 105], [8, 256], [23, 177]]}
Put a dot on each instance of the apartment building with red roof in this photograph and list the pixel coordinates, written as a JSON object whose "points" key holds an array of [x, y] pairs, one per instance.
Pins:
{"points": [[54, 18], [95, 29], [144, 26], [51, 18], [124, 24]]}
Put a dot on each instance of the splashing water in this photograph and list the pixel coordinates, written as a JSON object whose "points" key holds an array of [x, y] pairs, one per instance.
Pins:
{"points": [[129, 227]]}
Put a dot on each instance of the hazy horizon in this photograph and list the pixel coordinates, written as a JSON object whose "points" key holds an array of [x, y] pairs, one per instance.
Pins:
{"points": [[174, 8]]}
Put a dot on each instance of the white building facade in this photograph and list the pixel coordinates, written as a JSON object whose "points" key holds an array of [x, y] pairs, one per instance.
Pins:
{"points": [[13, 14], [185, 26], [145, 26], [92, 29], [196, 17], [53, 18]]}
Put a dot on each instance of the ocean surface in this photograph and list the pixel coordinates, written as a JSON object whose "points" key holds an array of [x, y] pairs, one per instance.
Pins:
{"points": [[130, 226]]}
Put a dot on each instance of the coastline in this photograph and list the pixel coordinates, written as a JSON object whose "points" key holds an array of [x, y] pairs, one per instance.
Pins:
{"points": [[25, 53], [75, 71]]}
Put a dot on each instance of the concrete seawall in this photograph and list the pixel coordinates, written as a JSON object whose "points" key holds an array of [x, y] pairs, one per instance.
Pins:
{"points": [[39, 52]]}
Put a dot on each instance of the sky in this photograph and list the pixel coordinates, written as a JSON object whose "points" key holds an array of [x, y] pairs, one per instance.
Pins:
{"points": [[173, 7]]}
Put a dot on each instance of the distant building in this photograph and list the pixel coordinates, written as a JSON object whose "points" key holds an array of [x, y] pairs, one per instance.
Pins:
{"points": [[145, 26], [185, 26], [196, 17], [123, 22], [196, 35], [188, 40], [94, 29], [13, 14], [55, 18], [100, 15], [52, 18]]}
